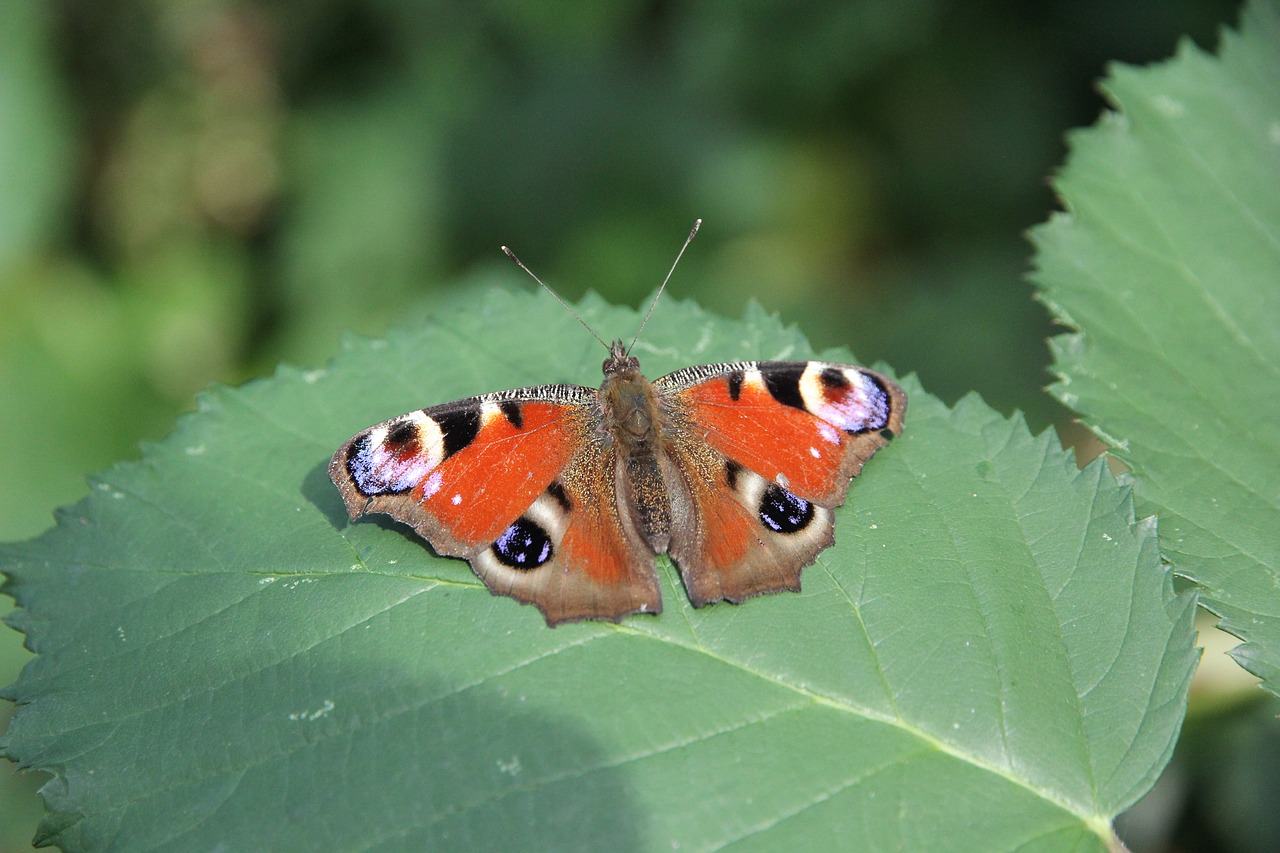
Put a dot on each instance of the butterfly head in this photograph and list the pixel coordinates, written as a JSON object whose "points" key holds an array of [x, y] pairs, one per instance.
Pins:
{"points": [[619, 362]]}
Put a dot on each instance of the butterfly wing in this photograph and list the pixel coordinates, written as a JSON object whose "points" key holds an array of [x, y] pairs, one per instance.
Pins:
{"points": [[518, 483], [763, 452]]}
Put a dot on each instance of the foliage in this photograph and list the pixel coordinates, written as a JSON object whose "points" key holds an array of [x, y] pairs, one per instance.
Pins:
{"points": [[993, 634], [197, 191], [1168, 263]]}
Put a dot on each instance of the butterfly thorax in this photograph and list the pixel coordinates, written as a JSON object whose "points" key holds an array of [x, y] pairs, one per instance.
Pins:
{"points": [[634, 421]]}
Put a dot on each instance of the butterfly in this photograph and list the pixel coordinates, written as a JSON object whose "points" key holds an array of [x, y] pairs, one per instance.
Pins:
{"points": [[561, 496]]}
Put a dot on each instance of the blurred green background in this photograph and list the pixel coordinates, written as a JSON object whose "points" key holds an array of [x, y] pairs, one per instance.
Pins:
{"points": [[193, 191]]}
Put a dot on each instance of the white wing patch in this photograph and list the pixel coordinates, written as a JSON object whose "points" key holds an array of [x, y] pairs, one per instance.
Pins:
{"points": [[857, 406], [375, 467]]}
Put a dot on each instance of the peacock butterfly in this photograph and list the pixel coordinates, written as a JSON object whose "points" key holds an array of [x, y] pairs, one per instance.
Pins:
{"points": [[561, 496]]}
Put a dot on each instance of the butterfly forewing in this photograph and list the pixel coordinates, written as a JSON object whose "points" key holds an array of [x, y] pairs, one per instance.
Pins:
{"points": [[462, 472], [806, 425]]}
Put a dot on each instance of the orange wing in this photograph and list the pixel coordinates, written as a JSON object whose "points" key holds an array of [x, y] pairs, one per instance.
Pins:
{"points": [[518, 483], [763, 451], [805, 425]]}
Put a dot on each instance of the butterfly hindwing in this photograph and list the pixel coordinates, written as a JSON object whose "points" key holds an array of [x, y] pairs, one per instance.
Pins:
{"points": [[518, 483], [587, 561], [745, 536]]}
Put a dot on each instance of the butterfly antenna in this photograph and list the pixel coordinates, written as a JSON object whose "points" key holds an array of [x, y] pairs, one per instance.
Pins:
{"points": [[512, 255], [697, 223]]}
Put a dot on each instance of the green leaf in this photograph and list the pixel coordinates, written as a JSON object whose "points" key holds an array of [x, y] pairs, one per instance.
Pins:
{"points": [[990, 657], [1168, 264]]}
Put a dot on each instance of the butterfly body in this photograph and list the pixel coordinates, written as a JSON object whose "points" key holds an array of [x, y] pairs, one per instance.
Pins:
{"points": [[561, 495], [632, 421]]}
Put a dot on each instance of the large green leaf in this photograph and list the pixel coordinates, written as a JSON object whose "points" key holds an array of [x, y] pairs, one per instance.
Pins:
{"points": [[990, 657], [1168, 263]]}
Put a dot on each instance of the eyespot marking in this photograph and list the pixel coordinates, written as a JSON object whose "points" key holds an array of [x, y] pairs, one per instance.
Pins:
{"points": [[524, 545], [783, 512]]}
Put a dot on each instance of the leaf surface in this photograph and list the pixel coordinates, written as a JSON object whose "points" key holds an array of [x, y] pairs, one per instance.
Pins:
{"points": [[1168, 263], [991, 657]]}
